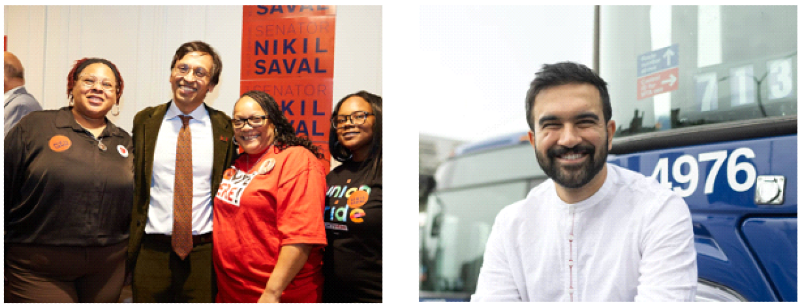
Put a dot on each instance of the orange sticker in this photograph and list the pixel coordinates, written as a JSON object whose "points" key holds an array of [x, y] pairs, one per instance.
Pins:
{"points": [[357, 199], [60, 143]]}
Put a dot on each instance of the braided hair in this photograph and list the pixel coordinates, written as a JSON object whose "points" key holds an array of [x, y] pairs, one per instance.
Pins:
{"points": [[285, 135]]}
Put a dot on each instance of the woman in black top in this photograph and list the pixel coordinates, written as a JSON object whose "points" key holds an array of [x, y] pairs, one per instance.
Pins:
{"points": [[353, 213], [68, 195]]}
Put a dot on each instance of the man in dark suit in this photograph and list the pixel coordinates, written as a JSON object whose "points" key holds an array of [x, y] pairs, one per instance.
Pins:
{"points": [[16, 100], [182, 148]]}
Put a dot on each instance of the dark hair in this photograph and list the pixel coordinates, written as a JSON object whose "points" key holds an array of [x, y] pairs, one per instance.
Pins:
{"points": [[81, 64], [202, 47], [13, 72], [285, 135], [342, 154], [552, 75]]}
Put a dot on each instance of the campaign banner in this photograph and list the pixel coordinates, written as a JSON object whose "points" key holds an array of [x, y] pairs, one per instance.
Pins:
{"points": [[287, 52]]}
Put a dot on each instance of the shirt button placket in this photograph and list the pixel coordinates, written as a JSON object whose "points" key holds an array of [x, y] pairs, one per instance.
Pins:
{"points": [[571, 262]]}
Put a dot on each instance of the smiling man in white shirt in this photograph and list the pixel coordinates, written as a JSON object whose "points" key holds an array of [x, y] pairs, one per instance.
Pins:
{"points": [[593, 231]]}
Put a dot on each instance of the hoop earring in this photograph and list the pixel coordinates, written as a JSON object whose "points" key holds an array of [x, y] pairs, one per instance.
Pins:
{"points": [[115, 112], [70, 101], [234, 141]]}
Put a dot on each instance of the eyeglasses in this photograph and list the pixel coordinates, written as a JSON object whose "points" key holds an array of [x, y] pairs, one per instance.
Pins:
{"points": [[183, 70], [356, 118], [89, 82], [255, 122]]}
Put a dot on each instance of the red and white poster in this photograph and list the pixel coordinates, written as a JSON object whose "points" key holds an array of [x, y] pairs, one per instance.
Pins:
{"points": [[287, 52]]}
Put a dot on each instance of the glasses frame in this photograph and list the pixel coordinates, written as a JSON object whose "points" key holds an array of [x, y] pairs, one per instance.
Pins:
{"points": [[247, 121], [349, 118], [82, 80], [191, 70]]}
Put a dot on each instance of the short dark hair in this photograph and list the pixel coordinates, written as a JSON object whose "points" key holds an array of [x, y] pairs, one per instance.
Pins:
{"points": [[81, 64], [12, 72], [552, 75], [199, 46], [342, 154], [284, 132]]}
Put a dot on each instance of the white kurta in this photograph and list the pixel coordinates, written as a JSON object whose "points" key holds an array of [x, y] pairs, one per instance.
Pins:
{"points": [[631, 241]]}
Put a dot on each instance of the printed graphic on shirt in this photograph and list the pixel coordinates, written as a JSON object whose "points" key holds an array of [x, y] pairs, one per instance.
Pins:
{"points": [[357, 199], [347, 203], [59, 143], [234, 181], [122, 151]]}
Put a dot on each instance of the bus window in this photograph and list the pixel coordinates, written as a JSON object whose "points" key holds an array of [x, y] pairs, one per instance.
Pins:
{"points": [[461, 222], [670, 67], [505, 164]]}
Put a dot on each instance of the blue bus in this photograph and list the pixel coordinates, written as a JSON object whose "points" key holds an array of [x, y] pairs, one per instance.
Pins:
{"points": [[705, 100]]}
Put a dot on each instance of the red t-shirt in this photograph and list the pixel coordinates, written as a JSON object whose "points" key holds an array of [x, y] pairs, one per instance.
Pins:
{"points": [[254, 215]]}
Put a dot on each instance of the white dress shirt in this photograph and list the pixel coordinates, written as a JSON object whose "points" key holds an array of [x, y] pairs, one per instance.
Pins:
{"points": [[159, 216], [631, 241]]}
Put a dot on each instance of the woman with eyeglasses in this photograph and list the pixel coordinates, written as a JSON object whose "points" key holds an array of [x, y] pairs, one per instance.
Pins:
{"points": [[268, 230], [353, 214], [68, 195]]}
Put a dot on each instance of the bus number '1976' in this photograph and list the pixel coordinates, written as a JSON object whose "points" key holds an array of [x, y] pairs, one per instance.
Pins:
{"points": [[718, 157]]}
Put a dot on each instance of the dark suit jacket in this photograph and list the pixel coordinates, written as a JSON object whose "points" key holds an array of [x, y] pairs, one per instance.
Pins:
{"points": [[19, 104], [146, 125]]}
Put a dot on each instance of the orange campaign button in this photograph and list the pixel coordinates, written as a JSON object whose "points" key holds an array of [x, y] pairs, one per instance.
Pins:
{"points": [[60, 143], [357, 199]]}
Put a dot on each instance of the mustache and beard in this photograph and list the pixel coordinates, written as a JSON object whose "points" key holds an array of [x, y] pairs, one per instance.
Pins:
{"points": [[576, 175]]}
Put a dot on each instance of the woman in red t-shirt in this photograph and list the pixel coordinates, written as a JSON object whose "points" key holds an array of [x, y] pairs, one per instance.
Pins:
{"points": [[268, 229]]}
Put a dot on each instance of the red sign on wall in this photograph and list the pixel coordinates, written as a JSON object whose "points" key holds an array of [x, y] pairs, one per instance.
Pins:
{"points": [[287, 52]]}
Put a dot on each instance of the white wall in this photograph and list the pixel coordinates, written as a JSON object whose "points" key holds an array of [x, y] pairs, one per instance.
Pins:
{"points": [[141, 41]]}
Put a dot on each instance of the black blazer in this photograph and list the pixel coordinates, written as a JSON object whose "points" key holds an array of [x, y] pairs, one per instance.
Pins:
{"points": [[146, 125]]}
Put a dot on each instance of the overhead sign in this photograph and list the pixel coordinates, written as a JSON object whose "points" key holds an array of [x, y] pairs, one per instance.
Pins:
{"points": [[657, 71], [287, 52]]}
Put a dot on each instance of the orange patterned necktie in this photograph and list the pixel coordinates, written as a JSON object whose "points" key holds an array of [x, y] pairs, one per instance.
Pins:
{"points": [[182, 204]]}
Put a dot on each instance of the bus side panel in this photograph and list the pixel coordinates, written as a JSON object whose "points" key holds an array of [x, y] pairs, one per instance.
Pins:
{"points": [[767, 235], [718, 182]]}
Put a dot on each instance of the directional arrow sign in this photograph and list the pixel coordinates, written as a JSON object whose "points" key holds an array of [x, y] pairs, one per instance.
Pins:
{"points": [[671, 80], [657, 71], [657, 60], [668, 55], [657, 83]]}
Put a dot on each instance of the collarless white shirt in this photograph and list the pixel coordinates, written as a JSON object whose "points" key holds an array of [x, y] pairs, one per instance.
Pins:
{"points": [[631, 241], [162, 187]]}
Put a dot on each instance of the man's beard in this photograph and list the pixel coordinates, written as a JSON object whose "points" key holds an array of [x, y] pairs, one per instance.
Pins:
{"points": [[573, 176]]}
